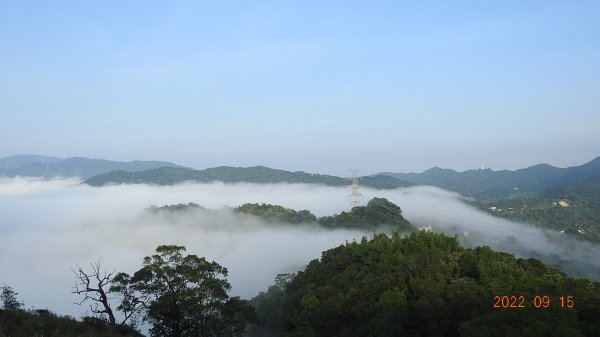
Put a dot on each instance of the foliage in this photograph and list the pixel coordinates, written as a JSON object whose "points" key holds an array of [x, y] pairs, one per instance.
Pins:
{"points": [[378, 212], [183, 296], [276, 213], [580, 218], [41, 322], [16, 322], [175, 208], [426, 284], [256, 174], [273, 316], [504, 184], [383, 182], [9, 299]]}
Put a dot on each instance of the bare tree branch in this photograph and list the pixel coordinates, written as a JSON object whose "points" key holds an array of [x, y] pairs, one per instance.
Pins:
{"points": [[92, 286]]}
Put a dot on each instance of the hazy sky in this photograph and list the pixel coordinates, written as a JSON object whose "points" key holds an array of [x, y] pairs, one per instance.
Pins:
{"points": [[320, 86]]}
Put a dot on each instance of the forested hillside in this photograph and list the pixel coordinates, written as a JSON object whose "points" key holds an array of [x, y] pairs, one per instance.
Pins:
{"points": [[15, 321], [256, 174], [84, 168], [378, 212], [276, 213], [423, 284], [175, 208], [28, 323], [426, 284], [573, 208], [502, 184]]}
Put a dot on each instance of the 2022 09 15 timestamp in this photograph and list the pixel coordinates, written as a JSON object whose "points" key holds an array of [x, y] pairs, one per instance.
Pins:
{"points": [[537, 302]]}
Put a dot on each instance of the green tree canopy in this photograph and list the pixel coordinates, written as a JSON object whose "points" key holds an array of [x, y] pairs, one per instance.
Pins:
{"points": [[425, 284], [276, 213], [9, 299], [183, 296], [378, 212]]}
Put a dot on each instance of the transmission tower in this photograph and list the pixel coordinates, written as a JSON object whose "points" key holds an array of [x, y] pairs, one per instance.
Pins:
{"points": [[78, 173], [355, 194]]}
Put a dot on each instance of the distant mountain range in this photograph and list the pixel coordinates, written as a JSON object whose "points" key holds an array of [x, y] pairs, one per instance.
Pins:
{"points": [[14, 162], [502, 184], [99, 172], [227, 174], [485, 183], [85, 168]]}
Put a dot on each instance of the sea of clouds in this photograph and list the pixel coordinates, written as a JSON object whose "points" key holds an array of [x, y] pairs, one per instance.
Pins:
{"points": [[49, 227]]}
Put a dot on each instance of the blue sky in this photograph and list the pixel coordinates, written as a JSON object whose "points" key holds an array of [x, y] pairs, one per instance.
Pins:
{"points": [[320, 86]]}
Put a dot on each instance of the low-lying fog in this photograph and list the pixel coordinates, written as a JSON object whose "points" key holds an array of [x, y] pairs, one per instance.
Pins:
{"points": [[49, 227]]}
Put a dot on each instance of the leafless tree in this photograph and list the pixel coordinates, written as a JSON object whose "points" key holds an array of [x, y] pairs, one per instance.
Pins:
{"points": [[99, 287], [94, 287]]}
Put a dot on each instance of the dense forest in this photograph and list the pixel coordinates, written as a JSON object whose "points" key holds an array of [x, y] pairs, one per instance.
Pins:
{"points": [[175, 208], [27, 323], [426, 284], [423, 284], [15, 321], [275, 213], [226, 174], [378, 212], [573, 208], [504, 184], [176, 295]]}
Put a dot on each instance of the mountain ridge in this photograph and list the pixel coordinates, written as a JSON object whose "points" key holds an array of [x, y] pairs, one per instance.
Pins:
{"points": [[480, 183], [51, 167], [15, 161], [229, 174], [502, 184]]}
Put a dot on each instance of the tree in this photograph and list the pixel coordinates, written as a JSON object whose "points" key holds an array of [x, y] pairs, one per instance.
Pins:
{"points": [[96, 286], [183, 296], [425, 284], [276, 213], [9, 298], [91, 285], [378, 212]]}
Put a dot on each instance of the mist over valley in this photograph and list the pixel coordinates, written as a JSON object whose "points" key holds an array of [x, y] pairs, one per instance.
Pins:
{"points": [[299, 169], [50, 226]]}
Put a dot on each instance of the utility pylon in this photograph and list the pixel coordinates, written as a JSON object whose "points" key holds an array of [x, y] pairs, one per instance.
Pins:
{"points": [[355, 194]]}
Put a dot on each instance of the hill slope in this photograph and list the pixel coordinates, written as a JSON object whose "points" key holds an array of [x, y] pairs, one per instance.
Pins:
{"points": [[503, 184], [16, 161], [426, 284], [22, 323], [572, 207], [49, 167], [227, 174], [377, 213]]}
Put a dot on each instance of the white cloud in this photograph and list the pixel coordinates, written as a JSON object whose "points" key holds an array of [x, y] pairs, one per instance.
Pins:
{"points": [[48, 227]]}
